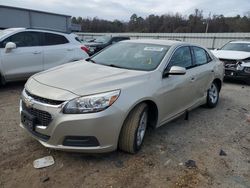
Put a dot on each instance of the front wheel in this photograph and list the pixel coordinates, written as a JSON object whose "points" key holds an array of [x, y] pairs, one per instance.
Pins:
{"points": [[134, 128], [212, 95]]}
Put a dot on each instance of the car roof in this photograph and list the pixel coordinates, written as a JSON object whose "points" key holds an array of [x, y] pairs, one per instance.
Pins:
{"points": [[241, 41], [155, 41], [33, 29], [15, 28]]}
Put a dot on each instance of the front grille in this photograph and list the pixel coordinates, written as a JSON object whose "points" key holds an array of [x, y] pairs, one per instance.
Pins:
{"points": [[44, 100], [42, 118]]}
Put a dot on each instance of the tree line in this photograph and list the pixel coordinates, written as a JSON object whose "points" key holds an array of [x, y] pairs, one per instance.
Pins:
{"points": [[168, 23]]}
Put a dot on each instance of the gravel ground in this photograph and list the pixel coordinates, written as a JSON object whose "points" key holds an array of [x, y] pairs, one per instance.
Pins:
{"points": [[160, 163]]}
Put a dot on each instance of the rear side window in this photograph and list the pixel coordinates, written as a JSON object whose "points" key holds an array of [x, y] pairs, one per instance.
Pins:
{"points": [[24, 39], [54, 39], [181, 57], [200, 56]]}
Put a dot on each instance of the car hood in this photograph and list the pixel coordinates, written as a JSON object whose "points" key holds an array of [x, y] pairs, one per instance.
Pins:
{"points": [[84, 78], [229, 54]]}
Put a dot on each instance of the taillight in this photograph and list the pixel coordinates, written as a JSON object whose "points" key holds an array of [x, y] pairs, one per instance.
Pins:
{"points": [[84, 48]]}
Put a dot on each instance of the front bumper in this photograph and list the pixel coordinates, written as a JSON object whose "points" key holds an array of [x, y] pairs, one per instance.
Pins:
{"points": [[236, 74], [104, 126]]}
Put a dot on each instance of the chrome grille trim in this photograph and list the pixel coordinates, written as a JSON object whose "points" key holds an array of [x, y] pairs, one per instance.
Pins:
{"points": [[44, 100]]}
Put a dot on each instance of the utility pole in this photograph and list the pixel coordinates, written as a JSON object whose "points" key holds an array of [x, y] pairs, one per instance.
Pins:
{"points": [[207, 22]]}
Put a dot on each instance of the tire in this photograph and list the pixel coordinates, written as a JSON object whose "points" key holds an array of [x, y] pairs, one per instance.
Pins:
{"points": [[133, 129], [1, 80], [212, 96]]}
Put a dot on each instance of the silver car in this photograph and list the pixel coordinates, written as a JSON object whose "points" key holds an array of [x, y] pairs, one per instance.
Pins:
{"points": [[109, 100]]}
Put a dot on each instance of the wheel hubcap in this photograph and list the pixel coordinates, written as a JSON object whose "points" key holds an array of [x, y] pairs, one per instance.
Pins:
{"points": [[142, 128], [213, 93]]}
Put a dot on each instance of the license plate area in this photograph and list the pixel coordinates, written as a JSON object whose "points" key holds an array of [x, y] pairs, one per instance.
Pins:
{"points": [[28, 120]]}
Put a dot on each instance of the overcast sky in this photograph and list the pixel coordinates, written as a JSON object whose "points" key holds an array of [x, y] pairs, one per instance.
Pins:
{"points": [[123, 9]]}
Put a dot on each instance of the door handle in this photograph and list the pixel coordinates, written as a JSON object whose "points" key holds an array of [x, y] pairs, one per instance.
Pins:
{"points": [[70, 49], [36, 52]]}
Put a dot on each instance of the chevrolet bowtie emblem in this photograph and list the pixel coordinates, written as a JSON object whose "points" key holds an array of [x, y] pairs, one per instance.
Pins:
{"points": [[28, 102]]}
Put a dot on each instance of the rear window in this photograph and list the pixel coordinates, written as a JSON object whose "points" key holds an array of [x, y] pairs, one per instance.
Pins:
{"points": [[54, 39]]}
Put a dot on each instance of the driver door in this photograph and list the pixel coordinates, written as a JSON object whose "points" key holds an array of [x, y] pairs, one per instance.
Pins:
{"points": [[177, 91], [26, 59]]}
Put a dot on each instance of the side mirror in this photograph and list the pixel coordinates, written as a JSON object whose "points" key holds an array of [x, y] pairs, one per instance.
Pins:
{"points": [[9, 46], [174, 70]]}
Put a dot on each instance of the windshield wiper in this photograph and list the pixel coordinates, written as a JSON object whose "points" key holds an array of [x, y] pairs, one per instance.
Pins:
{"points": [[91, 60], [116, 66]]}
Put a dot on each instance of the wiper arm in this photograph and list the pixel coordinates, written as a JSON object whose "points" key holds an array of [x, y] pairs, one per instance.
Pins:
{"points": [[91, 60], [112, 65]]}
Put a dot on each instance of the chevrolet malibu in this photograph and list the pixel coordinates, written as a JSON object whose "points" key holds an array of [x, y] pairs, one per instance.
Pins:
{"points": [[109, 100]]}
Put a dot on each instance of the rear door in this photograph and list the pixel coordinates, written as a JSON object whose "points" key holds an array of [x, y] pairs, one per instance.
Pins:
{"points": [[26, 59], [204, 71], [57, 50]]}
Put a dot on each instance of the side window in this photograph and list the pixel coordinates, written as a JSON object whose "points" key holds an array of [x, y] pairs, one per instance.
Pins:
{"points": [[200, 56], [24, 39], [54, 39], [182, 57]]}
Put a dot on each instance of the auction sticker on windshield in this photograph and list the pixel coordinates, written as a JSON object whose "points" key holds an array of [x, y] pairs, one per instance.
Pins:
{"points": [[156, 49]]}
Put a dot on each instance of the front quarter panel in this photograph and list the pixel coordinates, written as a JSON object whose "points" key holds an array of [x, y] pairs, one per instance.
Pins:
{"points": [[219, 70]]}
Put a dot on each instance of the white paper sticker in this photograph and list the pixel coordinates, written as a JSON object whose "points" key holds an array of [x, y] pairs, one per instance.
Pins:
{"points": [[155, 49]]}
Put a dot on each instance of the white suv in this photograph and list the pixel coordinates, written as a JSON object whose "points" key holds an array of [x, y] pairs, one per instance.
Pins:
{"points": [[24, 52]]}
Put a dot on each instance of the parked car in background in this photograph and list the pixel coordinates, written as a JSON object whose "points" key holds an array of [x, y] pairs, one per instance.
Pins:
{"points": [[24, 52], [112, 97], [236, 58], [102, 42]]}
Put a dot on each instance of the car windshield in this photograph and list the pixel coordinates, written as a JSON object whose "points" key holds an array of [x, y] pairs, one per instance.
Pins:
{"points": [[245, 47], [135, 56], [4, 32], [102, 39]]}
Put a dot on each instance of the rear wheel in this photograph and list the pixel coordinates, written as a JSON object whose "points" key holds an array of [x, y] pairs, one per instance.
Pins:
{"points": [[212, 95], [134, 128]]}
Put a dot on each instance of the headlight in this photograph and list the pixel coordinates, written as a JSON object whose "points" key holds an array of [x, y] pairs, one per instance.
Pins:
{"points": [[247, 69], [92, 103]]}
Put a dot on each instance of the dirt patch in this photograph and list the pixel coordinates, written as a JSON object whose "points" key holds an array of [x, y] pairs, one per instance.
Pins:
{"points": [[160, 163]]}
